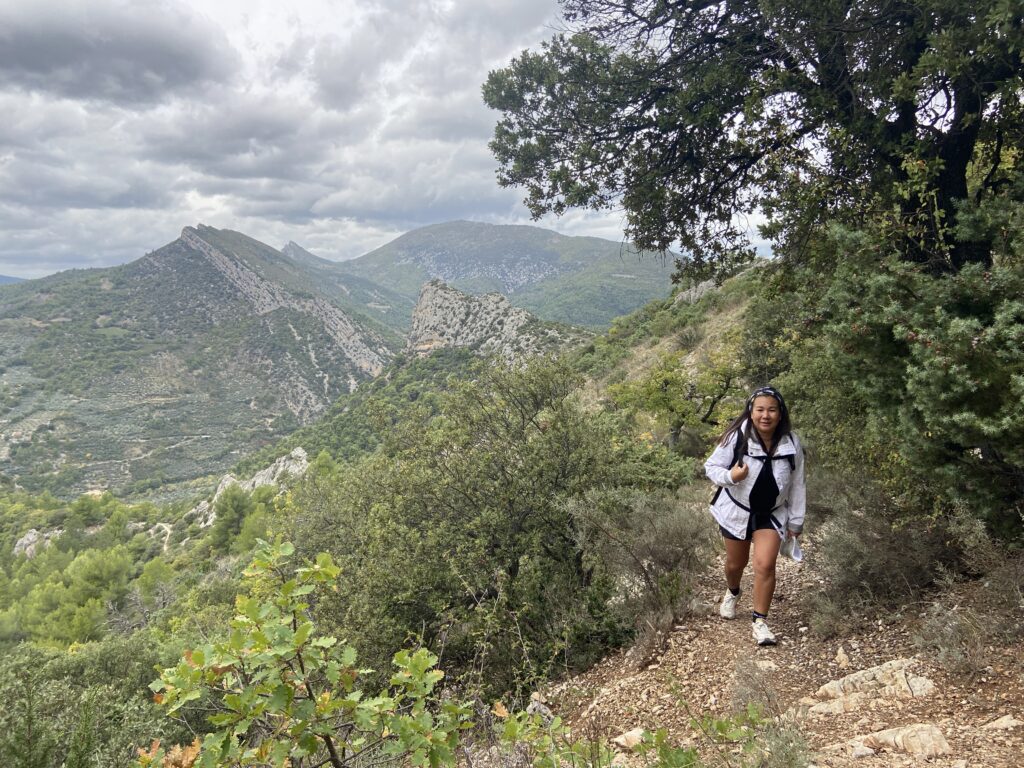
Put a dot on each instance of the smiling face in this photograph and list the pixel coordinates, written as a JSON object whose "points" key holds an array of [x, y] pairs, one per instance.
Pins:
{"points": [[766, 414]]}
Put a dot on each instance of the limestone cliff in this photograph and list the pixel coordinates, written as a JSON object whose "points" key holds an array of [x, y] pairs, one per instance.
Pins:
{"points": [[365, 351], [489, 324]]}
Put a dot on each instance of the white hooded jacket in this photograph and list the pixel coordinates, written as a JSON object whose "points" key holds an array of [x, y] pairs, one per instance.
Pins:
{"points": [[731, 505]]}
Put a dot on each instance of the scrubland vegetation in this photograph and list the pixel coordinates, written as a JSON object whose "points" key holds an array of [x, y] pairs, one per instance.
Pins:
{"points": [[511, 524]]}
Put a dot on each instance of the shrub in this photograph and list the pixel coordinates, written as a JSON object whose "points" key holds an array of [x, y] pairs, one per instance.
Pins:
{"points": [[869, 560], [955, 639], [282, 693], [457, 530], [653, 545]]}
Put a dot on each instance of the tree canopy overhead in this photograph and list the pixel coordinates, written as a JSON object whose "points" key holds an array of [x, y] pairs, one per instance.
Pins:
{"points": [[692, 113]]}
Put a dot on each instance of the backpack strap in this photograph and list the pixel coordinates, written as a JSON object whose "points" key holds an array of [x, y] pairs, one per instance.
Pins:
{"points": [[738, 452], [790, 457], [740, 449]]}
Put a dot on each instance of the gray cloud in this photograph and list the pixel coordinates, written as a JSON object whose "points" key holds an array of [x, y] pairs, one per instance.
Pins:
{"points": [[124, 52], [452, 117], [46, 188], [338, 124]]}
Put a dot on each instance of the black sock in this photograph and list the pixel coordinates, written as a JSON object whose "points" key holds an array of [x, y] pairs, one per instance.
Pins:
{"points": [[735, 591], [754, 615]]}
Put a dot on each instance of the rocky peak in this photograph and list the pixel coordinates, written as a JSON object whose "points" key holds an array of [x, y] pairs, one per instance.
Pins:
{"points": [[366, 351], [296, 252], [490, 324]]}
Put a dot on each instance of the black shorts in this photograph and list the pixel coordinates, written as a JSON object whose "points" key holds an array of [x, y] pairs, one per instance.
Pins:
{"points": [[756, 522]]}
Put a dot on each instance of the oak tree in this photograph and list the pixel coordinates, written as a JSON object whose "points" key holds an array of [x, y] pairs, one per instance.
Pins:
{"points": [[691, 114]]}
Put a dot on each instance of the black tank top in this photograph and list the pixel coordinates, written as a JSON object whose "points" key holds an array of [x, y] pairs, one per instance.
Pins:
{"points": [[765, 491]]}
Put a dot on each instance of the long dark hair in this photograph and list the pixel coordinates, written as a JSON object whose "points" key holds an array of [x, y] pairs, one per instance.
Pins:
{"points": [[783, 428]]}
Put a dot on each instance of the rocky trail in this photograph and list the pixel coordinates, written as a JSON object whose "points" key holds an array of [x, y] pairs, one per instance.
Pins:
{"points": [[871, 699]]}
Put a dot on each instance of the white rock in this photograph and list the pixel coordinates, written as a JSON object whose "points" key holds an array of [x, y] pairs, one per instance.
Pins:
{"points": [[294, 464], [692, 294], [859, 750], [34, 542], [447, 317], [1004, 723], [889, 680], [849, 703], [841, 658], [538, 707], [920, 739], [629, 739]]}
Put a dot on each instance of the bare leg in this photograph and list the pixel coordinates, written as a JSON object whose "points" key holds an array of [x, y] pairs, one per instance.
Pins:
{"points": [[766, 552], [736, 555]]}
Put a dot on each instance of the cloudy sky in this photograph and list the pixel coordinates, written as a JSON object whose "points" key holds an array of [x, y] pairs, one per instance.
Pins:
{"points": [[338, 124]]}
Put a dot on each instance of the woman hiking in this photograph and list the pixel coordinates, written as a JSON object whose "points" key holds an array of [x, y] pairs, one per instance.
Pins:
{"points": [[758, 466]]}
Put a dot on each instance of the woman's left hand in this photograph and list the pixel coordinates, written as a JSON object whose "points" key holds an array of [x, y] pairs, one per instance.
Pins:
{"points": [[792, 535]]}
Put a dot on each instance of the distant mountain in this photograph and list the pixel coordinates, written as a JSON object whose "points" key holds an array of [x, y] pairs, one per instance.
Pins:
{"points": [[172, 366], [5, 280], [300, 255], [576, 280], [393, 309]]}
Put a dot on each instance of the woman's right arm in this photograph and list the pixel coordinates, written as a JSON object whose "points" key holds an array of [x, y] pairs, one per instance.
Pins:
{"points": [[717, 467]]}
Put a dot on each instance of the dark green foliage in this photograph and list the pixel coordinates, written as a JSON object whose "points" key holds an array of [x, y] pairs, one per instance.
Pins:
{"points": [[915, 375], [456, 529], [233, 506], [28, 739], [882, 144], [84, 709], [688, 115]]}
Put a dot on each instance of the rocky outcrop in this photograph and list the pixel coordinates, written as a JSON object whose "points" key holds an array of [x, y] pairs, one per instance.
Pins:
{"points": [[860, 690], [294, 464], [693, 293], [35, 541], [920, 739], [489, 324]]}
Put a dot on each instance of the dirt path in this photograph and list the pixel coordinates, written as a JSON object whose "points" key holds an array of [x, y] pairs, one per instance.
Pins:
{"points": [[709, 666]]}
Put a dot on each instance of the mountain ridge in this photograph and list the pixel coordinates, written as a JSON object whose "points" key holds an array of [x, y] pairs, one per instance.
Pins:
{"points": [[164, 369], [573, 280], [157, 373]]}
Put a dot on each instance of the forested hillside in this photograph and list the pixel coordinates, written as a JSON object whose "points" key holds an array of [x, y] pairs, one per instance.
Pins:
{"points": [[169, 368], [491, 460], [456, 498]]}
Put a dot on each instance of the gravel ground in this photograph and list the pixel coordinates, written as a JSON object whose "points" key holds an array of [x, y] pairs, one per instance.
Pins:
{"points": [[706, 665]]}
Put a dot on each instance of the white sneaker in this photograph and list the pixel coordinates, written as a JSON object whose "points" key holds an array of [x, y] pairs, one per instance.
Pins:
{"points": [[727, 610], [763, 635]]}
